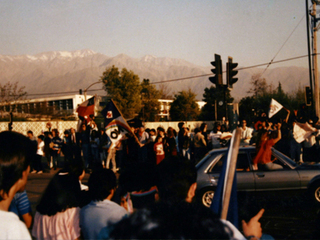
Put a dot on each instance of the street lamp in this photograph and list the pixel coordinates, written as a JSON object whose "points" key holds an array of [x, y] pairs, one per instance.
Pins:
{"points": [[85, 91]]}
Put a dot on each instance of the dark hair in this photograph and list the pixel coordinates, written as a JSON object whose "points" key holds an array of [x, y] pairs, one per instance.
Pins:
{"points": [[180, 124], [202, 126], [63, 192], [175, 177], [157, 138], [56, 132], [76, 167], [215, 128], [160, 129], [41, 137], [178, 221], [170, 132], [30, 132], [16, 153], [100, 183]]}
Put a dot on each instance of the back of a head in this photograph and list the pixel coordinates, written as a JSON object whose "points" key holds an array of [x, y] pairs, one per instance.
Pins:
{"points": [[178, 221], [62, 192], [175, 177], [100, 183], [16, 153]]}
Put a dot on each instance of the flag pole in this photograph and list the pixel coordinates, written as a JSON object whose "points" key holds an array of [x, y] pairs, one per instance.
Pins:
{"points": [[135, 137], [234, 147]]}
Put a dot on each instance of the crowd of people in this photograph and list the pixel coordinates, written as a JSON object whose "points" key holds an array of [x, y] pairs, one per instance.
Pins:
{"points": [[141, 186], [104, 210]]}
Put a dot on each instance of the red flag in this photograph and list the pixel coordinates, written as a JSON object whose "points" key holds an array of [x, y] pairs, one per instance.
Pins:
{"points": [[86, 108]]}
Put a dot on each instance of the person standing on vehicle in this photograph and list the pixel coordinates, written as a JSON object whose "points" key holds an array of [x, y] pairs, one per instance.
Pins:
{"points": [[263, 149], [246, 133]]}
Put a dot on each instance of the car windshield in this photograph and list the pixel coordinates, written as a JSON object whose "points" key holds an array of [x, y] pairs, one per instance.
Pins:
{"points": [[284, 160], [210, 155]]}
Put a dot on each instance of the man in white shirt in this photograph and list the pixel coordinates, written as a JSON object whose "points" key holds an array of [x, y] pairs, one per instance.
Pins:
{"points": [[246, 133]]}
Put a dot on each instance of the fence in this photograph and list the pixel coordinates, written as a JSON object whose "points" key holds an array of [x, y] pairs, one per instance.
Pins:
{"points": [[38, 127]]}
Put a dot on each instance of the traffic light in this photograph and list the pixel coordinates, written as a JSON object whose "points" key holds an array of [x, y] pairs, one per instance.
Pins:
{"points": [[80, 91], [231, 72], [308, 96], [217, 79]]}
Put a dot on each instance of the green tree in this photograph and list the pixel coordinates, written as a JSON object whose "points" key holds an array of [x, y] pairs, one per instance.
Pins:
{"points": [[150, 104], [124, 88], [215, 103], [184, 107]]}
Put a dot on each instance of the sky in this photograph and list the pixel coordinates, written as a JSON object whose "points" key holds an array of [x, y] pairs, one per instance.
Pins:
{"points": [[251, 32]]}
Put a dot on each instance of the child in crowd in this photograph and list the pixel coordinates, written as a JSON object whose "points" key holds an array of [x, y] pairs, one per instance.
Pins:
{"points": [[21, 206]]}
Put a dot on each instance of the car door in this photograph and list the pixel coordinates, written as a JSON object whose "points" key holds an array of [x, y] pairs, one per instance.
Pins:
{"points": [[245, 178], [283, 179]]}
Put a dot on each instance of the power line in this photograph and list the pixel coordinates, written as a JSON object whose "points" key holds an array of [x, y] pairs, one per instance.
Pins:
{"points": [[177, 79], [282, 46]]}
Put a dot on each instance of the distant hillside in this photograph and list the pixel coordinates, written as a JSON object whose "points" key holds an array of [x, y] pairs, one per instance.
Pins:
{"points": [[52, 72]]}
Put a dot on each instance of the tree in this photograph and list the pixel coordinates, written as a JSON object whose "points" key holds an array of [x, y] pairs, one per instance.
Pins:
{"points": [[184, 107], [150, 104], [259, 85], [9, 93], [252, 106], [215, 102], [165, 92], [124, 88]]}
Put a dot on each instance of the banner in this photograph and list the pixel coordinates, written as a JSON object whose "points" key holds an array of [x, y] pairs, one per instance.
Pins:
{"points": [[275, 107]]}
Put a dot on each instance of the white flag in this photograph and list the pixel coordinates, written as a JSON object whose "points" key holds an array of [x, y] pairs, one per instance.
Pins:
{"points": [[301, 131], [274, 108]]}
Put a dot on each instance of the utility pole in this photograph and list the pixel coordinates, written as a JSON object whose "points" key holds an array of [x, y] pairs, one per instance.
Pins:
{"points": [[315, 57]]}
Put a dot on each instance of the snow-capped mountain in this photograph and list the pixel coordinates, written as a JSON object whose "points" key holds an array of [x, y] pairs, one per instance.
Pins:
{"points": [[64, 71]]}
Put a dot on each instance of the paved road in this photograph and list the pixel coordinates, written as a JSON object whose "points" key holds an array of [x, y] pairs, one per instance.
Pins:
{"points": [[284, 218]]}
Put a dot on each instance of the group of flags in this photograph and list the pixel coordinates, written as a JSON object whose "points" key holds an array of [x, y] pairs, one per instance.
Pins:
{"points": [[115, 125]]}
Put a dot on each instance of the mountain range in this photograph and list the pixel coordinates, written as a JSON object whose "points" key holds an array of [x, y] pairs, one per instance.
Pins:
{"points": [[69, 71]]}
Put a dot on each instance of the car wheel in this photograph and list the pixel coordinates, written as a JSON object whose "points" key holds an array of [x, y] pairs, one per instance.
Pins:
{"points": [[315, 191], [206, 197]]}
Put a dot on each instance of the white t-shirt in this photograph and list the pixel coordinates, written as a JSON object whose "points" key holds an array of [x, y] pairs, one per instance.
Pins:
{"points": [[40, 148], [11, 227]]}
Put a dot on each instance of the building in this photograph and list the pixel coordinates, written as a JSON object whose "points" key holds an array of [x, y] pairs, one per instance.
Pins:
{"points": [[165, 107], [54, 106], [66, 106]]}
